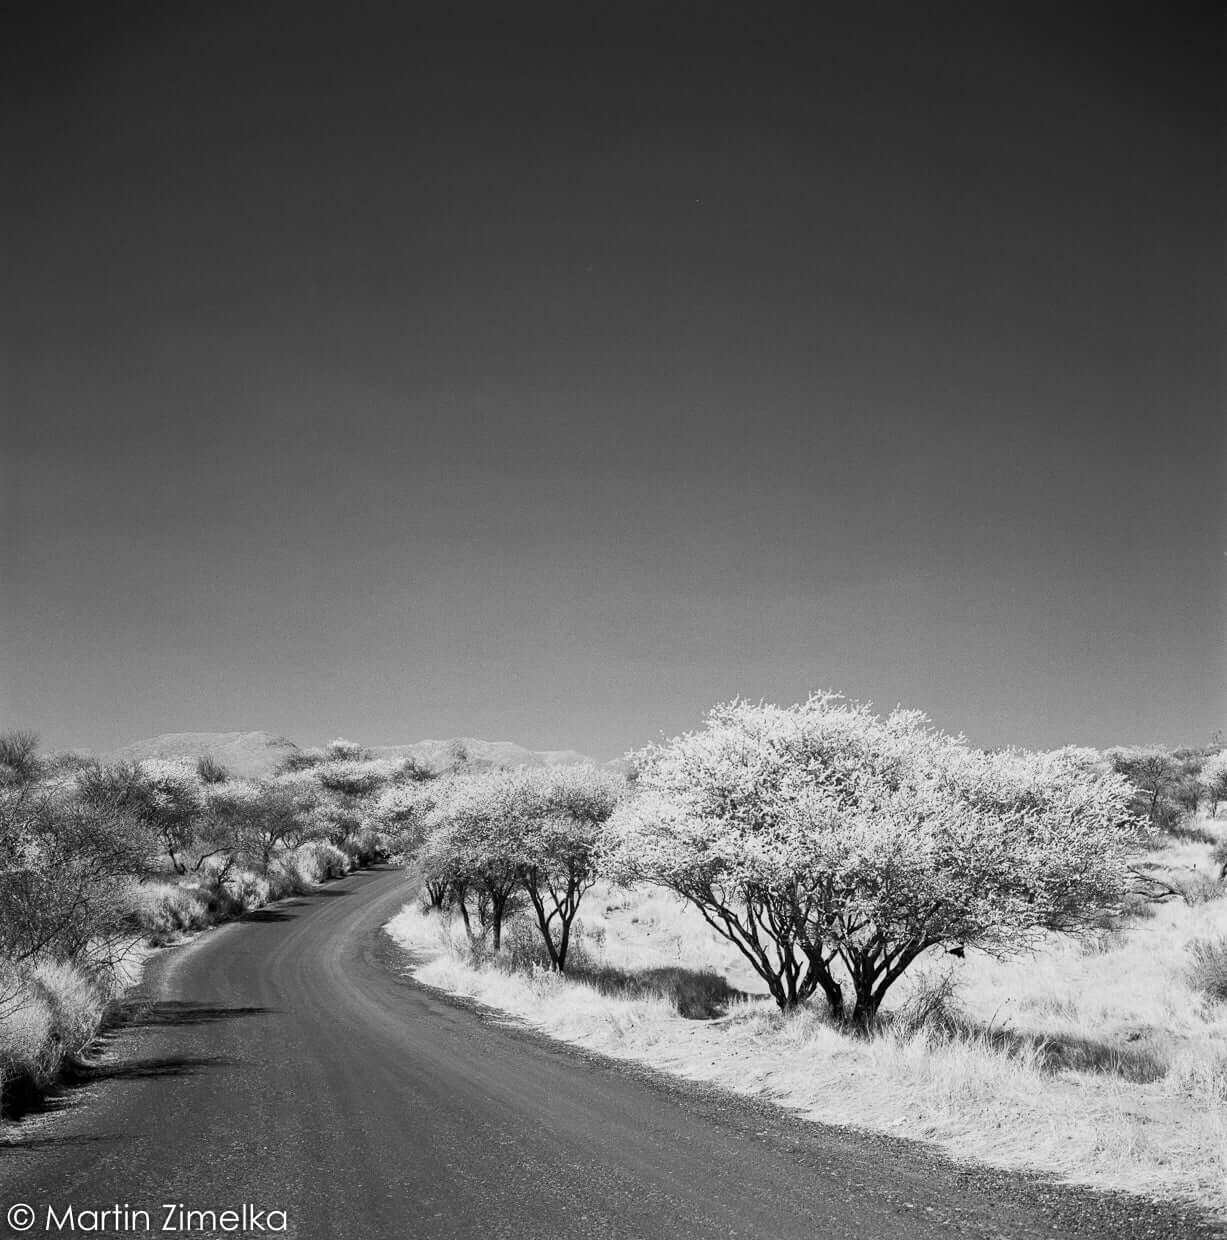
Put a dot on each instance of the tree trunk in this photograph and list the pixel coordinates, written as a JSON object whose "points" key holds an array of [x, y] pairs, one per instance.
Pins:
{"points": [[498, 902], [564, 942], [461, 898], [833, 992], [865, 1014]]}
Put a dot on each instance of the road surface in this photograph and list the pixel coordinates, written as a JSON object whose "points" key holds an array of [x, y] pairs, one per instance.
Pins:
{"points": [[286, 1063]]}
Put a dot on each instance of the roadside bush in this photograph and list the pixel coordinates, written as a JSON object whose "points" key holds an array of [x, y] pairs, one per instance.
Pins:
{"points": [[362, 847], [1207, 972], [164, 910], [26, 1047], [67, 866], [75, 1005], [318, 860], [249, 890], [52, 1013]]}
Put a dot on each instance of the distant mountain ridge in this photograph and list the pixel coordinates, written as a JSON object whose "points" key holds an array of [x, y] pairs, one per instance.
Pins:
{"points": [[256, 754]]}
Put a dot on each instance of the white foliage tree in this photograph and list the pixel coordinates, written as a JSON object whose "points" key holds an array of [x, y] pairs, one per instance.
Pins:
{"points": [[834, 847], [471, 845], [536, 829], [561, 820], [1213, 779]]}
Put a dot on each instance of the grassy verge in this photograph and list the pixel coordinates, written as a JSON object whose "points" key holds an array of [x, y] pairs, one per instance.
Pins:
{"points": [[1102, 1063], [49, 1014]]}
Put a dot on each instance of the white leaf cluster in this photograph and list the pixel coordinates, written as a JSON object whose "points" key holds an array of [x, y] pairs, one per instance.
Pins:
{"points": [[877, 829]]}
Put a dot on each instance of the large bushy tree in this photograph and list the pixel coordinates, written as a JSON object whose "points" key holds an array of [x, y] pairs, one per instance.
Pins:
{"points": [[65, 863], [834, 847]]}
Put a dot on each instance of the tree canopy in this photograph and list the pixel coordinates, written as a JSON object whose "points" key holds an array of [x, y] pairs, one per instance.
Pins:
{"points": [[834, 846]]}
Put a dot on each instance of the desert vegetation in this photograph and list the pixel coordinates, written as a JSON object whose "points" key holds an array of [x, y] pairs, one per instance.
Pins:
{"points": [[1022, 956], [99, 861]]}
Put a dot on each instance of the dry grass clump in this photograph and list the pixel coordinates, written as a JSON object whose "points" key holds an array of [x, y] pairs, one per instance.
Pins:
{"points": [[1207, 973], [47, 1016], [166, 910]]}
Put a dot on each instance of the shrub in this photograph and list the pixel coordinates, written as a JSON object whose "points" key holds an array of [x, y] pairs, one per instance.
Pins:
{"points": [[932, 1005], [301, 760], [210, 770], [75, 1003], [285, 879], [697, 994], [318, 860], [343, 750], [51, 1014], [249, 890], [1207, 971], [352, 777], [164, 910], [362, 846], [19, 758], [1196, 888], [414, 771], [26, 1047], [68, 866], [521, 950]]}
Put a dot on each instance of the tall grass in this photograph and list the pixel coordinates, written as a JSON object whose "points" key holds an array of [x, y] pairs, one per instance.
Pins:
{"points": [[51, 1014]]}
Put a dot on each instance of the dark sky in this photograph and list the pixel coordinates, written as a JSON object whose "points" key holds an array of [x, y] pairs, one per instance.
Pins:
{"points": [[549, 375]]}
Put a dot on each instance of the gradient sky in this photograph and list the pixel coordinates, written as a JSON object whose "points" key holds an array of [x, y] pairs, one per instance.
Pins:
{"points": [[550, 375]]}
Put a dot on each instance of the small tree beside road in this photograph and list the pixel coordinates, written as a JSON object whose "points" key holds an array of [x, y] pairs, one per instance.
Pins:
{"points": [[562, 815], [491, 833]]}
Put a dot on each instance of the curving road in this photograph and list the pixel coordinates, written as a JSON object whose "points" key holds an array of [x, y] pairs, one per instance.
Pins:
{"points": [[286, 1061]]}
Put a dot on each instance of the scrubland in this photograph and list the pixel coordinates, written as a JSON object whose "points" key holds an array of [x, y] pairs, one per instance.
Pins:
{"points": [[100, 864], [1101, 1059]]}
